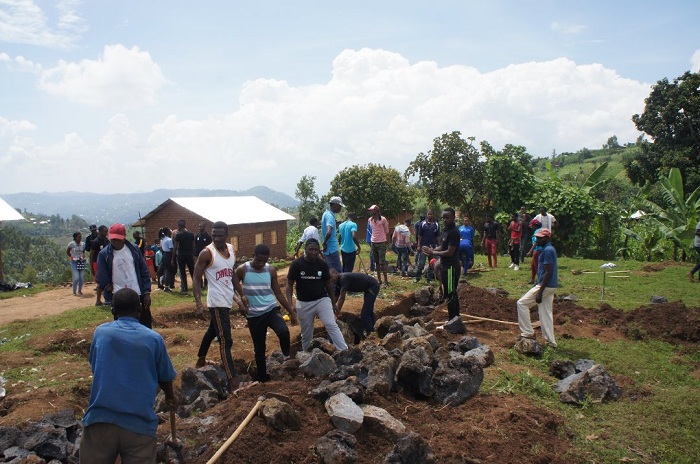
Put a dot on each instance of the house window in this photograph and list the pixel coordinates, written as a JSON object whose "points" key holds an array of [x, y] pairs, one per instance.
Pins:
{"points": [[259, 238], [234, 242], [273, 237]]}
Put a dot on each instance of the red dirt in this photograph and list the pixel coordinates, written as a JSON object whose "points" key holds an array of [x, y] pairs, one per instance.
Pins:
{"points": [[491, 427]]}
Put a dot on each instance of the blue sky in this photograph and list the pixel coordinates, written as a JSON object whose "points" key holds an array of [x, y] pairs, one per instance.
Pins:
{"points": [[224, 94]]}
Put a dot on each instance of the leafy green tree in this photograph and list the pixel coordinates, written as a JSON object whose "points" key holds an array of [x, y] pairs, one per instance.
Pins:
{"points": [[363, 186], [32, 256], [671, 118], [451, 172], [677, 217], [308, 200], [509, 176]]}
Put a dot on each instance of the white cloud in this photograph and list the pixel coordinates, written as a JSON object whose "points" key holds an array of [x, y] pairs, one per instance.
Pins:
{"points": [[25, 22], [20, 63], [377, 107], [567, 28], [120, 78], [695, 61]]}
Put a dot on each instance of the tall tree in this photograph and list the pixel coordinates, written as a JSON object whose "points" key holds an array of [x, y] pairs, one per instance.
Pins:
{"points": [[451, 172], [671, 118], [363, 186], [509, 175], [308, 200]]}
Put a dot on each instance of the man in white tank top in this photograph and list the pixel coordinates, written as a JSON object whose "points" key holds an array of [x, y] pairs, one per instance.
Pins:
{"points": [[216, 262]]}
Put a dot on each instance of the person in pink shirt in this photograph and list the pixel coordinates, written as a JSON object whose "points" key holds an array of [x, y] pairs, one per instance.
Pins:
{"points": [[380, 240]]}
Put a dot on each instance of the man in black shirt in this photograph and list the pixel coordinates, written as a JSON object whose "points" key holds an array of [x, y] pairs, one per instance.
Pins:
{"points": [[88, 242], [201, 241], [355, 282], [96, 245], [449, 261], [315, 295], [183, 250]]}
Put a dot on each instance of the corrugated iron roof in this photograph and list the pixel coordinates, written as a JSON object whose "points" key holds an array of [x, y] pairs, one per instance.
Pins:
{"points": [[8, 213], [233, 210]]}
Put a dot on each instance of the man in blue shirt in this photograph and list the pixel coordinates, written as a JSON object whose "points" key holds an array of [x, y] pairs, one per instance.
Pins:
{"points": [[427, 236], [542, 294], [349, 244], [129, 362], [331, 253]]}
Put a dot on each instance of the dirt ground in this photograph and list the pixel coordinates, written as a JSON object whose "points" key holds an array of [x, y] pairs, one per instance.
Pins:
{"points": [[488, 428]]}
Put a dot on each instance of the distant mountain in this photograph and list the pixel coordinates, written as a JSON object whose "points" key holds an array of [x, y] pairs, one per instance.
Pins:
{"points": [[125, 207]]}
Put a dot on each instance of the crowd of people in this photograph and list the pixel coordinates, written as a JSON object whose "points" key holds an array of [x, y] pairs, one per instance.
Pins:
{"points": [[127, 354]]}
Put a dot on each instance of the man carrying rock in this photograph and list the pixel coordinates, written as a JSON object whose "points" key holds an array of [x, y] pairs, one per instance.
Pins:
{"points": [[542, 294], [129, 362], [356, 282], [315, 295], [261, 296]]}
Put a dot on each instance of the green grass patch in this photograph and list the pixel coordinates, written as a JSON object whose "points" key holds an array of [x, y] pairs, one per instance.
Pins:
{"points": [[22, 292]]}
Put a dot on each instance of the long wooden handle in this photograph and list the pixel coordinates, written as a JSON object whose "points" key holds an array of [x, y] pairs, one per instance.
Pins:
{"points": [[235, 434], [173, 429]]}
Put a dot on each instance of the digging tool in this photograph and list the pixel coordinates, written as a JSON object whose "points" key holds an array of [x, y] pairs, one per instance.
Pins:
{"points": [[172, 441], [362, 265]]}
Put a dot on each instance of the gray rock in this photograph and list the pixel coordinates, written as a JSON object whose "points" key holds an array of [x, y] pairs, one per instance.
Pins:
{"points": [[383, 325], [414, 372], [279, 415], [302, 356], [421, 310], [429, 342], [656, 299], [410, 449], [392, 340], [583, 365], [336, 447], [49, 443], [424, 296], [348, 357], [561, 369], [455, 326], [458, 381], [10, 437], [528, 346], [380, 367], [193, 381], [378, 421], [497, 291], [206, 400], [319, 364], [412, 331], [323, 344], [344, 413], [594, 384], [350, 386], [482, 355], [465, 344], [65, 418], [15, 452]]}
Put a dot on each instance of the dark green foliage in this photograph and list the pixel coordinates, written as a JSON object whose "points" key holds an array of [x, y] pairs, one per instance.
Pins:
{"points": [[33, 259]]}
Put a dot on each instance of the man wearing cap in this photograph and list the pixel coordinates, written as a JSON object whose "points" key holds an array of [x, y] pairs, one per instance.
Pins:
{"points": [[542, 294], [349, 245], [129, 362], [121, 265], [88, 242], [330, 248], [380, 241]]}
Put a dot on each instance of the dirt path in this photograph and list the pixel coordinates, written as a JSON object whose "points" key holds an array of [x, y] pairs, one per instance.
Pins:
{"points": [[43, 304]]}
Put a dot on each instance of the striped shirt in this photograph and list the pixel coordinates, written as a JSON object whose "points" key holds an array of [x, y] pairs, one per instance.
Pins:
{"points": [[257, 287]]}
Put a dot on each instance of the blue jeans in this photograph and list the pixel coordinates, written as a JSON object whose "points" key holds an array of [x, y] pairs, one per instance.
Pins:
{"points": [[367, 313], [466, 257], [333, 261], [697, 266], [78, 277], [402, 261]]}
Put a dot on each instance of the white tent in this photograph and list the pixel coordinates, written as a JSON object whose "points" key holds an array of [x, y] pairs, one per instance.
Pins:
{"points": [[7, 213]]}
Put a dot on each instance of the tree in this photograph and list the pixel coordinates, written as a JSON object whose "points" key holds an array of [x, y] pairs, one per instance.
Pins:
{"points": [[451, 172], [308, 200], [362, 186], [509, 176], [678, 216], [671, 118]]}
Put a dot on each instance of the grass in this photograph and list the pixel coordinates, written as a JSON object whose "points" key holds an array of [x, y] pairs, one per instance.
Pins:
{"points": [[38, 288]]}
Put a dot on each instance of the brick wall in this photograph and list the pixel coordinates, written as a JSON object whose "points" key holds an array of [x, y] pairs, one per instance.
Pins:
{"points": [[245, 233]]}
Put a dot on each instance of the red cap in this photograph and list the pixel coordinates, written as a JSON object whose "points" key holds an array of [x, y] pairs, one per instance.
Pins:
{"points": [[117, 231], [543, 232], [372, 208]]}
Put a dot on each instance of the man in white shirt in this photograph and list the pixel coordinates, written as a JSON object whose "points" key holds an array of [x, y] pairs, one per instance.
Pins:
{"points": [[548, 221], [309, 232]]}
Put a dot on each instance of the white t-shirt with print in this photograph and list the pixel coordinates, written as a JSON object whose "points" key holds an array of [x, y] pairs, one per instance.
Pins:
{"points": [[123, 271]]}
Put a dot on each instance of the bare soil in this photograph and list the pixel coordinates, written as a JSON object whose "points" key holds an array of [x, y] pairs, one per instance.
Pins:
{"points": [[488, 428]]}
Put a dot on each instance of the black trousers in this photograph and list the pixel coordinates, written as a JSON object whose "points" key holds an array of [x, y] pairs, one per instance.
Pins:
{"points": [[348, 261], [258, 332], [449, 274], [185, 262], [219, 326]]}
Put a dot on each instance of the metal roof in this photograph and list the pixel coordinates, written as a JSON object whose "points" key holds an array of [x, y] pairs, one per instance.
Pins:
{"points": [[8, 213], [233, 210]]}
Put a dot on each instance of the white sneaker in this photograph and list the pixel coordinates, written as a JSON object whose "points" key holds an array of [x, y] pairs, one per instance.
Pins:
{"points": [[511, 265], [516, 268]]}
